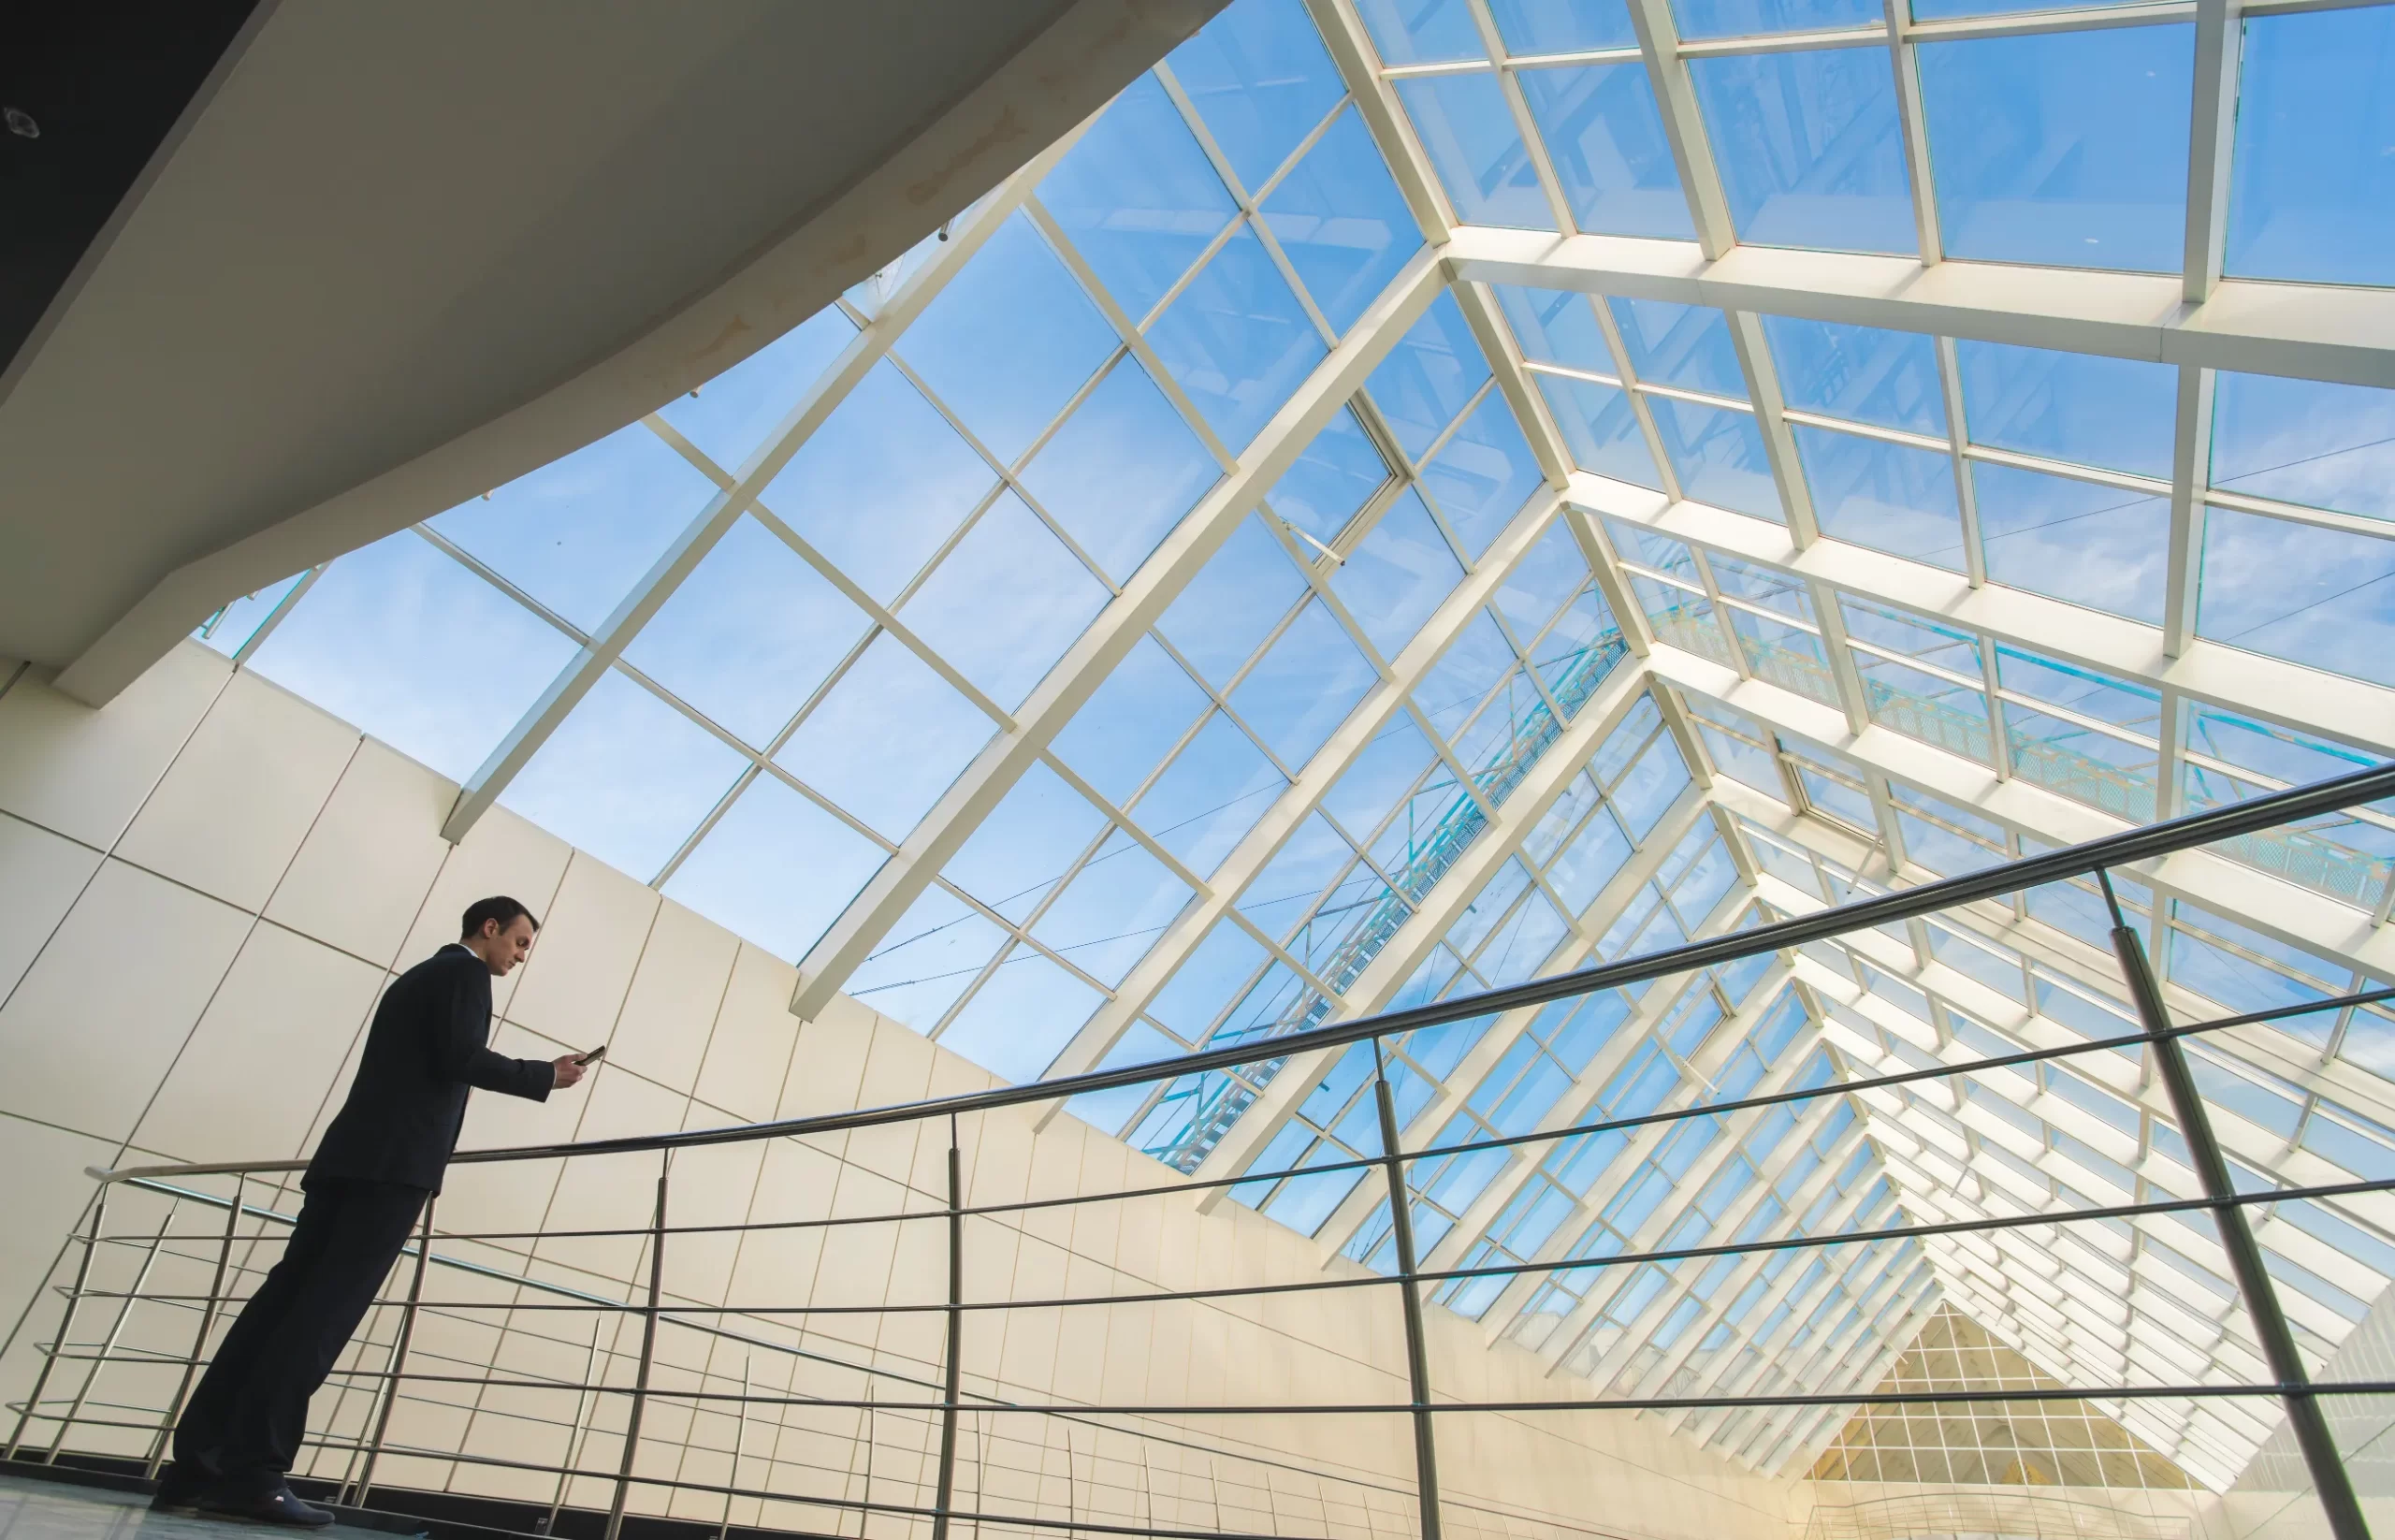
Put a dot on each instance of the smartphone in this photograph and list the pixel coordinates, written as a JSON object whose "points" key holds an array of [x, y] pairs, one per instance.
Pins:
{"points": [[593, 1056]]}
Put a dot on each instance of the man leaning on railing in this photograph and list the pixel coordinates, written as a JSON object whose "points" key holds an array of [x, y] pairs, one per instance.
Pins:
{"points": [[381, 1158]]}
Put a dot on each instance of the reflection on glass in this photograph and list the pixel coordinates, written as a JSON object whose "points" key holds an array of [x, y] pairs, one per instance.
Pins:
{"points": [[1810, 147], [739, 875], [1555, 327], [1600, 428], [1889, 378], [1483, 474], [396, 639], [2073, 540], [885, 742], [2312, 192], [1397, 575], [1889, 497], [1422, 32], [1562, 26], [1138, 199], [1605, 138], [1474, 144], [1684, 345], [1431, 374], [1341, 221], [1746, 18], [2068, 149], [1261, 79], [1009, 340], [1718, 456], [2319, 597], [749, 634], [1237, 340], [2302, 440], [2119, 413], [625, 776], [1332, 479]]}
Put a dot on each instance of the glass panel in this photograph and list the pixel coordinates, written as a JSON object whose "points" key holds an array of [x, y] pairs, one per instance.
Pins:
{"points": [[1745, 18], [1331, 481], [739, 875], [1017, 1021], [2073, 540], [1468, 131], [1782, 591], [1397, 575], [2311, 194], [1554, 327], [577, 533], [1430, 375], [749, 634], [1605, 138], [1887, 496], [2305, 442], [1684, 345], [1004, 605], [730, 416], [1342, 223], [398, 639], [1471, 666], [1009, 340], [2319, 597], [2068, 149], [2120, 413], [1483, 476], [1810, 147], [881, 483], [1109, 914], [887, 740], [1718, 457], [1212, 794], [1015, 857], [1238, 341], [1548, 574], [1600, 428], [1884, 377], [1236, 599], [1925, 706], [1122, 472], [1131, 722], [1221, 966], [1422, 32], [925, 962], [230, 629], [1784, 656], [625, 776], [1562, 26], [1303, 686], [1955, 651], [1138, 199], [1260, 78]]}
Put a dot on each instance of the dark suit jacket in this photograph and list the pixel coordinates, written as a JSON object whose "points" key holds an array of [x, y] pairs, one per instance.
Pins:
{"points": [[428, 1046]]}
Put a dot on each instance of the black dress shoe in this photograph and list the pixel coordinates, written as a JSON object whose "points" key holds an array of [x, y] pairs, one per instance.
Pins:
{"points": [[278, 1507], [179, 1489]]}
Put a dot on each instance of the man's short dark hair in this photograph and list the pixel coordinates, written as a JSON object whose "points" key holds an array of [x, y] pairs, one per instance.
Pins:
{"points": [[481, 910]]}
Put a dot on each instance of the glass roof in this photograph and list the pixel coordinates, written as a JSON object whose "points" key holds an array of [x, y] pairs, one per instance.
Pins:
{"points": [[1241, 625]]}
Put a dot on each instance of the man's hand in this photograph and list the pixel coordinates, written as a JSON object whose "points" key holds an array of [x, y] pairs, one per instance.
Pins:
{"points": [[569, 1070]]}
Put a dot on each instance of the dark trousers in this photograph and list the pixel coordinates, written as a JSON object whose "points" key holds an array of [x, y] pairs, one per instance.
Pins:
{"points": [[244, 1421]]}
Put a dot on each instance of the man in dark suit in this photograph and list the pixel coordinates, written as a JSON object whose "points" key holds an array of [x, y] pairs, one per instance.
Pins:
{"points": [[381, 1157]]}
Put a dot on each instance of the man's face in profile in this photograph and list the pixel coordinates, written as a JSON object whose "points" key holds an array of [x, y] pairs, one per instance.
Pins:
{"points": [[509, 947]]}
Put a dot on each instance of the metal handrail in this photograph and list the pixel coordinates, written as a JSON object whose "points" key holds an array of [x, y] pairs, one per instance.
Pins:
{"points": [[2153, 840]]}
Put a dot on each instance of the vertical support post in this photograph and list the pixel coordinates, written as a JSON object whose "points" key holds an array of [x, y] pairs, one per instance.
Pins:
{"points": [[1417, 1356], [66, 1322], [647, 1351], [2330, 1481], [399, 1353], [198, 1342], [952, 1381], [116, 1331], [740, 1438], [577, 1433]]}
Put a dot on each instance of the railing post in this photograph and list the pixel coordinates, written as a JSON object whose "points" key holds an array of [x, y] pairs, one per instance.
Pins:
{"points": [[953, 1380], [576, 1434], [116, 1331], [399, 1354], [199, 1342], [65, 1324], [1417, 1355], [2330, 1481], [739, 1440], [647, 1351]]}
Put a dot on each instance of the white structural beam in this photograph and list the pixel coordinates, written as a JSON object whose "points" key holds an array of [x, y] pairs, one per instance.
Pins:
{"points": [[2211, 131], [2308, 330], [1659, 43], [905, 876]]}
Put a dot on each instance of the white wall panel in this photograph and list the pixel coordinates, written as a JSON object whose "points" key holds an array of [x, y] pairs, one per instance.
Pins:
{"points": [[85, 773]]}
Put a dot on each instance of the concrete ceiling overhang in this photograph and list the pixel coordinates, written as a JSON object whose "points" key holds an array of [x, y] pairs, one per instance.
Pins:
{"points": [[395, 255]]}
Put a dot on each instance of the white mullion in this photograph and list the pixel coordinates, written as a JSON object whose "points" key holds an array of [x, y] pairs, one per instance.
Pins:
{"points": [[1958, 445], [1665, 471], [1814, 41], [2211, 131], [1658, 42], [2102, 19], [2190, 473], [1565, 372], [282, 606], [712, 521], [1738, 662], [1342, 35], [1755, 361], [1915, 123], [1550, 186], [1696, 397], [1853, 428], [2094, 475]]}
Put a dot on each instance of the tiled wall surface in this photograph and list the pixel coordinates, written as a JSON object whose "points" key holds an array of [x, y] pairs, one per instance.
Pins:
{"points": [[205, 887]]}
